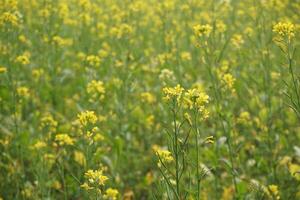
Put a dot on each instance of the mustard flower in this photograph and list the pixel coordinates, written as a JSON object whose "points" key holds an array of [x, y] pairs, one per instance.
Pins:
{"points": [[96, 90], [87, 117], [197, 99], [93, 60], [172, 93], [274, 191], [244, 118], [64, 139], [164, 155], [111, 194], [3, 70], [23, 92], [39, 145], [147, 97], [237, 41], [62, 42], [23, 59], [228, 80], [202, 30], [9, 18], [95, 179], [185, 56], [285, 29], [295, 171]]}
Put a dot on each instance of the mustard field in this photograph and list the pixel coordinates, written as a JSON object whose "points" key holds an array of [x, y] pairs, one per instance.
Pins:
{"points": [[149, 99]]}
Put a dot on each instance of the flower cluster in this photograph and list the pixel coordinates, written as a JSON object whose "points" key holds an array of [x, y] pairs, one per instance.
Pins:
{"points": [[95, 180], [147, 97], [87, 117], [23, 59], [62, 42], [173, 93], [164, 155], [195, 98], [274, 192], [226, 78], [93, 60], [64, 139], [121, 31], [95, 90], [285, 30], [9, 18], [111, 194], [202, 30]]}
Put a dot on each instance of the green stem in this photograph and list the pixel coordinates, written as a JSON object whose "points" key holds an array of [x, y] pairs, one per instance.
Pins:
{"points": [[176, 150], [197, 153]]}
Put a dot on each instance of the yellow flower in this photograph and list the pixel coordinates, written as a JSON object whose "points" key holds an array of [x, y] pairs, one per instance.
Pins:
{"points": [[274, 191], [79, 158], [23, 39], [248, 31], [87, 117], [237, 40], [244, 118], [172, 93], [23, 92], [23, 59], [150, 121], [121, 30], [164, 155], [229, 80], [285, 160], [62, 42], [295, 171], [37, 73], [285, 29], [39, 145], [98, 137], [86, 186], [196, 99], [56, 185], [149, 178], [9, 18], [93, 60], [201, 30], [228, 193], [64, 139], [3, 70], [147, 97], [185, 56], [111, 194], [220, 26], [96, 90], [95, 179]]}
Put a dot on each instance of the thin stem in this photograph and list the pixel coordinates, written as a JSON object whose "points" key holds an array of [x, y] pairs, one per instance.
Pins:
{"points": [[290, 63], [197, 152], [230, 156], [176, 148]]}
